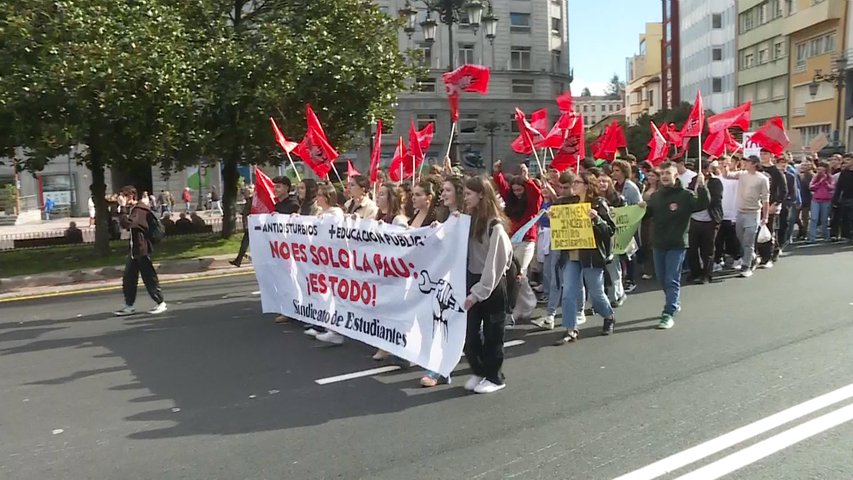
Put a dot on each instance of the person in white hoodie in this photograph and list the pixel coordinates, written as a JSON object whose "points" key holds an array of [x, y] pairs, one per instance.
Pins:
{"points": [[727, 241]]}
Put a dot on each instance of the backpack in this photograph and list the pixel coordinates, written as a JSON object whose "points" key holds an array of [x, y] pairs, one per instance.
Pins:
{"points": [[513, 270], [156, 230]]}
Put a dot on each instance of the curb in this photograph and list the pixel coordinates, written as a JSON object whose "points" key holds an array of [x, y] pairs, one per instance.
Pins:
{"points": [[15, 286]]}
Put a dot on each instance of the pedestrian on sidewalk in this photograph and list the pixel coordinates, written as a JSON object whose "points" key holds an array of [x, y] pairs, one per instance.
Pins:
{"points": [[215, 201], [248, 192], [138, 218], [670, 209], [187, 197]]}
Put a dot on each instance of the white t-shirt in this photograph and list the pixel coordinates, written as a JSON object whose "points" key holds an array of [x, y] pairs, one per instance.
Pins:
{"points": [[729, 198], [687, 177]]}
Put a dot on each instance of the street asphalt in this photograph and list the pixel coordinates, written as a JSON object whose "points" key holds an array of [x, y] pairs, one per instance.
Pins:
{"points": [[213, 389]]}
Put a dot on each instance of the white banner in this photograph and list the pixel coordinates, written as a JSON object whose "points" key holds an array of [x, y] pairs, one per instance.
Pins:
{"points": [[750, 148], [398, 289]]}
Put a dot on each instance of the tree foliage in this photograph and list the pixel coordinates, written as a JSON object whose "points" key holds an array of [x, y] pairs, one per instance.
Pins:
{"points": [[585, 92], [615, 87]]}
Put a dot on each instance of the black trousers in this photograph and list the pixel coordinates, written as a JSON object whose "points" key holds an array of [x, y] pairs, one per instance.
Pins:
{"points": [[485, 354], [770, 250], [132, 270], [845, 213], [727, 242], [244, 245], [700, 253]]}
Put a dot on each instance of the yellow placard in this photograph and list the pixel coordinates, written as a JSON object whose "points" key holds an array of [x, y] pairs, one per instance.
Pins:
{"points": [[571, 228]]}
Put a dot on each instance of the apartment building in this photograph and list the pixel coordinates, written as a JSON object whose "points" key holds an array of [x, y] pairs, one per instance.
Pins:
{"points": [[530, 67], [643, 75], [670, 55], [596, 108], [708, 47]]}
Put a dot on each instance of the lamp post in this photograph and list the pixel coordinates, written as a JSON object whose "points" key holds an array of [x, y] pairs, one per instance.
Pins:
{"points": [[835, 77], [491, 127], [450, 12]]}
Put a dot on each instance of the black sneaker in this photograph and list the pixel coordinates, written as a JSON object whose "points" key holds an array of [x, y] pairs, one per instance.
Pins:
{"points": [[609, 324]]}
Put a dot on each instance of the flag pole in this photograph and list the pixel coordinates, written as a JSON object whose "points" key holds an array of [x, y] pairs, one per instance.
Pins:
{"points": [[536, 156], [414, 161], [450, 140], [335, 169], [296, 172]]}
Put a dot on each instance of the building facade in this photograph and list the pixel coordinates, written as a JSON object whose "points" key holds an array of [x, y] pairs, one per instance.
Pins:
{"points": [[816, 35], [596, 108], [671, 55], [643, 76], [530, 67], [708, 47]]}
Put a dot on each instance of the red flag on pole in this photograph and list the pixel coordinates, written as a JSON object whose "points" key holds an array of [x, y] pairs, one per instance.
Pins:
{"points": [[526, 140], [772, 136], [280, 139], [375, 155], [467, 78], [572, 148], [351, 171], [718, 143], [696, 121], [315, 149], [658, 146], [263, 200], [673, 135], [396, 172], [555, 137], [565, 102], [736, 117]]}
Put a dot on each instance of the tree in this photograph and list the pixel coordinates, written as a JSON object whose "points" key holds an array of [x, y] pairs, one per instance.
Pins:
{"points": [[615, 87], [585, 92], [113, 75], [270, 57]]}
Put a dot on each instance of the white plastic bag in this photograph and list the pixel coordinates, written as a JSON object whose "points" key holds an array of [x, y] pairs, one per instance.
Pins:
{"points": [[764, 235]]}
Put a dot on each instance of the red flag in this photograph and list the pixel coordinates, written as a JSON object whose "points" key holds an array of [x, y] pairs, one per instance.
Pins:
{"points": [[658, 146], [565, 103], [351, 171], [375, 155], [467, 78], [555, 137], [736, 117], [572, 150], [526, 140], [263, 201], [618, 136], [425, 136], [396, 172], [315, 149], [696, 121], [673, 135], [610, 142], [772, 136], [719, 143], [280, 139]]}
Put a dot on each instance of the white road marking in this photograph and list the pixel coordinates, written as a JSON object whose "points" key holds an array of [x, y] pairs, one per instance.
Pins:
{"points": [[768, 447], [385, 369], [723, 442]]}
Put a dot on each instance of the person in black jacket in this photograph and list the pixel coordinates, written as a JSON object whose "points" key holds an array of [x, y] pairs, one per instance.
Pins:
{"points": [[285, 202], [769, 252], [704, 226], [581, 268], [843, 198], [136, 216]]}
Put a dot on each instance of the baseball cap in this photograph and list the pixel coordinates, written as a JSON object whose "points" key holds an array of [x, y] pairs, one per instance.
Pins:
{"points": [[754, 159]]}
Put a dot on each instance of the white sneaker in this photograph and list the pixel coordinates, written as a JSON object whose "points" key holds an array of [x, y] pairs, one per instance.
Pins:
{"points": [[746, 273], [580, 319], [127, 310], [646, 276], [718, 267], [160, 308], [767, 265], [311, 332], [488, 387], [546, 322], [472, 382], [331, 337], [737, 265]]}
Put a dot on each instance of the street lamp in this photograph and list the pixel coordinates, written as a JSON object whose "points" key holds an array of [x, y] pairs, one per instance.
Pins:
{"points": [[450, 12], [490, 128], [835, 77]]}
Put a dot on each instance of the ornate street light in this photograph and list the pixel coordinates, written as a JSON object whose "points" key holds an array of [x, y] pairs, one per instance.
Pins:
{"points": [[428, 26], [410, 17], [475, 14], [490, 24], [837, 78]]}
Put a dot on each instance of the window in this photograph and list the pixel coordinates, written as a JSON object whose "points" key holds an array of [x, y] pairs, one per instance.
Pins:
{"points": [[763, 89], [612, 108], [792, 6], [466, 53], [776, 7], [519, 58], [762, 56], [555, 25], [513, 125], [669, 54], [651, 98], [815, 47], [643, 47], [425, 85], [424, 119], [762, 14], [717, 54], [556, 61], [585, 108], [802, 53], [748, 60], [749, 20], [592, 108], [522, 85], [717, 85], [426, 55], [778, 50], [811, 132], [468, 122], [780, 87], [717, 20], [829, 43], [519, 22]]}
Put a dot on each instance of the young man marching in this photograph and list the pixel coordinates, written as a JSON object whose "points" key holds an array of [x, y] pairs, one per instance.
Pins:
{"points": [[669, 209], [136, 217]]}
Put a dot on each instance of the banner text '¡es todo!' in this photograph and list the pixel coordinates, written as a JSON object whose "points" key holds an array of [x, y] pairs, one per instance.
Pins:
{"points": [[342, 258]]}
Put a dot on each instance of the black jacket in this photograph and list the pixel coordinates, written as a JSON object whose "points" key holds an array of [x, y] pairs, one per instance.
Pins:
{"points": [[843, 187], [136, 220], [778, 184], [715, 190], [287, 206], [603, 229]]}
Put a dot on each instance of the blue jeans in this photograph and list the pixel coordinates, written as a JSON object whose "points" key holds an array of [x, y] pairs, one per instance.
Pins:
{"points": [[668, 271], [819, 215], [551, 280], [575, 275]]}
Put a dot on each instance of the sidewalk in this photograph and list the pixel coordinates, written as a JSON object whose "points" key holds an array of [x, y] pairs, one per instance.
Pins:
{"points": [[105, 277]]}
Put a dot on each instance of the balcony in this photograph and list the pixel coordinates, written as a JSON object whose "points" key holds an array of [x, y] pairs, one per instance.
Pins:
{"points": [[815, 14]]}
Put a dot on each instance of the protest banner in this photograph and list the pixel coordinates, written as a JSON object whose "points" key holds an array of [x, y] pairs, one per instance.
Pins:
{"points": [[571, 228], [627, 220], [377, 283], [750, 148]]}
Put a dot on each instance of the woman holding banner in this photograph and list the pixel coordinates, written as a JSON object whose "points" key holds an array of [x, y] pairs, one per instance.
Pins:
{"points": [[327, 204], [489, 254], [306, 195], [613, 269], [586, 267]]}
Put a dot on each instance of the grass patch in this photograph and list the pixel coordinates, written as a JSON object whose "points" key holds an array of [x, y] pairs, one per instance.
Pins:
{"points": [[75, 257]]}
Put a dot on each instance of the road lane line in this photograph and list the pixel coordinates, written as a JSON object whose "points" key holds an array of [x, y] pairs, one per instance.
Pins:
{"points": [[768, 447], [386, 369], [728, 440]]}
